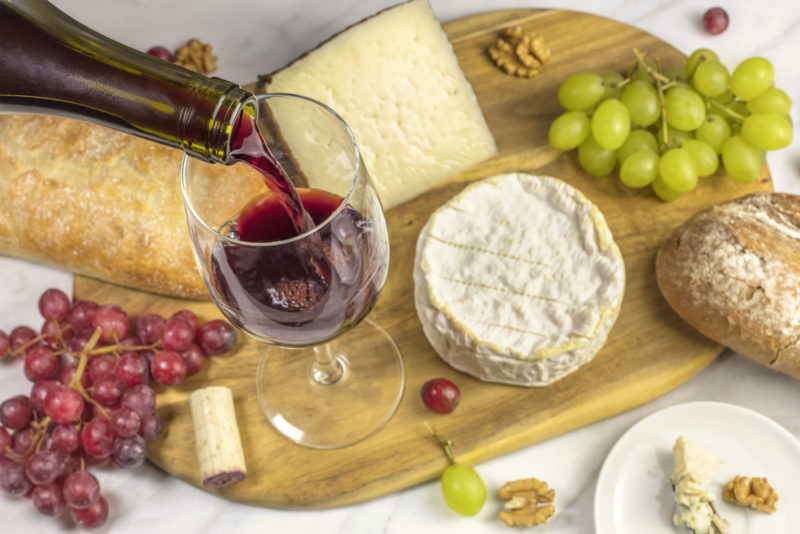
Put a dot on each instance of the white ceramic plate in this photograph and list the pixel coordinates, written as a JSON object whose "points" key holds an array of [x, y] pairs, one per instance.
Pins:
{"points": [[633, 494]]}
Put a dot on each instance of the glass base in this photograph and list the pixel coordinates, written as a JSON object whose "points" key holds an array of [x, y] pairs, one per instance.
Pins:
{"points": [[334, 394]]}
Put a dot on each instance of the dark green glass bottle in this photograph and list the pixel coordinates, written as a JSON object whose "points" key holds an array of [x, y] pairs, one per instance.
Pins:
{"points": [[50, 63]]}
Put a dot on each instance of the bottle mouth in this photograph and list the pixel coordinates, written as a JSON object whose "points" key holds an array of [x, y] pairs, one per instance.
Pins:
{"points": [[232, 102]]}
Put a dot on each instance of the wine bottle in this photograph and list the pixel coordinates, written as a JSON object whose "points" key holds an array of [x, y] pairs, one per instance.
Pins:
{"points": [[51, 63]]}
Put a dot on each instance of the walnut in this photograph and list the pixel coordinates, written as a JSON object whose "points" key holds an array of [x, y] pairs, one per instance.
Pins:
{"points": [[524, 507], [196, 56], [519, 54], [755, 493]]}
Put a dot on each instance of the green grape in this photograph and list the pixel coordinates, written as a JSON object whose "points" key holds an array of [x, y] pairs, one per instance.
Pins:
{"points": [[684, 107], [677, 171], [637, 140], [581, 91], [569, 130], [742, 161], [611, 124], [704, 159], [675, 137], [639, 169], [595, 159], [698, 56], [714, 131], [711, 78], [767, 131], [677, 73], [773, 100], [641, 99], [611, 79], [663, 192], [463, 489], [752, 77], [725, 97]]}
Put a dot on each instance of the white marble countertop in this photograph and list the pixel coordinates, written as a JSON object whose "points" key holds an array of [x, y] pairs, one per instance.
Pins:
{"points": [[257, 36]]}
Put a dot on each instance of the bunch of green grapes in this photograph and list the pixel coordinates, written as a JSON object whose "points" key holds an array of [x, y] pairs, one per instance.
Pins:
{"points": [[667, 129]]}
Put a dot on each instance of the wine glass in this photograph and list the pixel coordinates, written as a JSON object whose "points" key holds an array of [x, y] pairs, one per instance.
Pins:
{"points": [[327, 377]]}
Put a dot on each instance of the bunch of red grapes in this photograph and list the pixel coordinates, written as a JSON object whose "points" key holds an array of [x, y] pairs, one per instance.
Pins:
{"points": [[91, 403]]}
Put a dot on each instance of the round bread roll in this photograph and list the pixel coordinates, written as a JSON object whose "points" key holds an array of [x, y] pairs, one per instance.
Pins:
{"points": [[733, 273]]}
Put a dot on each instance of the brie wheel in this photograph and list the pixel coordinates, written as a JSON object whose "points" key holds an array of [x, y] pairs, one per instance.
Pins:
{"points": [[518, 280]]}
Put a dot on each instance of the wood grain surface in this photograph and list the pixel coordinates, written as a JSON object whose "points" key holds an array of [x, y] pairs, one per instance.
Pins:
{"points": [[650, 350]]}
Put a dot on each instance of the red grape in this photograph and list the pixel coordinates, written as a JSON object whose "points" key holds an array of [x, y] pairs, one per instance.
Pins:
{"points": [[108, 390], [68, 372], [189, 317], [20, 336], [177, 335], [80, 339], [54, 304], [440, 395], [41, 364], [97, 438], [125, 422], [82, 314], [195, 358], [149, 327], [161, 52], [43, 467], [141, 399], [715, 20], [81, 489], [131, 340], [151, 426], [92, 517], [39, 393], [49, 500], [129, 452], [132, 369], [16, 412], [5, 343], [13, 479], [63, 404], [22, 441], [168, 367], [101, 366], [54, 334], [216, 337], [5, 441], [113, 321], [65, 438]]}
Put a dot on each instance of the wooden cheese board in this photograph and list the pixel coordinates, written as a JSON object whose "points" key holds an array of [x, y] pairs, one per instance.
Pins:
{"points": [[650, 350]]}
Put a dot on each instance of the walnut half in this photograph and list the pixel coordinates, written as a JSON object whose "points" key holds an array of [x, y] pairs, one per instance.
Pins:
{"points": [[196, 56], [524, 507], [753, 492], [519, 54]]}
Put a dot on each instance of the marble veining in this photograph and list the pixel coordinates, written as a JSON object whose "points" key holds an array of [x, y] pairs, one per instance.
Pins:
{"points": [[252, 37]]}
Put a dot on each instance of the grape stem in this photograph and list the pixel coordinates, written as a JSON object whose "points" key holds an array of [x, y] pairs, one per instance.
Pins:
{"points": [[446, 444], [727, 110], [75, 383], [662, 83]]}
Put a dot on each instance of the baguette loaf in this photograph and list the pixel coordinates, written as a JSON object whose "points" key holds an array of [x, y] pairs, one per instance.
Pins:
{"points": [[733, 273], [95, 201]]}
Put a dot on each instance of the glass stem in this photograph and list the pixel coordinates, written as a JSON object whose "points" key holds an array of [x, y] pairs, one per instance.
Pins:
{"points": [[328, 368]]}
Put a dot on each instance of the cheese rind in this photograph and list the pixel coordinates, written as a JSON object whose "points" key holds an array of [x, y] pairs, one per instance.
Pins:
{"points": [[396, 81], [518, 280]]}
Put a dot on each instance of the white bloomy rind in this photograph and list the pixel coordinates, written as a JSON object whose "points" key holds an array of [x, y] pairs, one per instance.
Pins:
{"points": [[518, 280], [216, 434]]}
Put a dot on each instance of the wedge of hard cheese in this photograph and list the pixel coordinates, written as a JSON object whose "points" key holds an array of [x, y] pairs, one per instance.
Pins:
{"points": [[396, 81]]}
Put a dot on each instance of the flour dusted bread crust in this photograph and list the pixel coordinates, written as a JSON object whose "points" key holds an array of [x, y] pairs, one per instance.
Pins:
{"points": [[95, 201], [733, 273]]}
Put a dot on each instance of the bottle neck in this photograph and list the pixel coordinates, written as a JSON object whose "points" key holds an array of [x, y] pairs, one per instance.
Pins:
{"points": [[50, 63]]}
